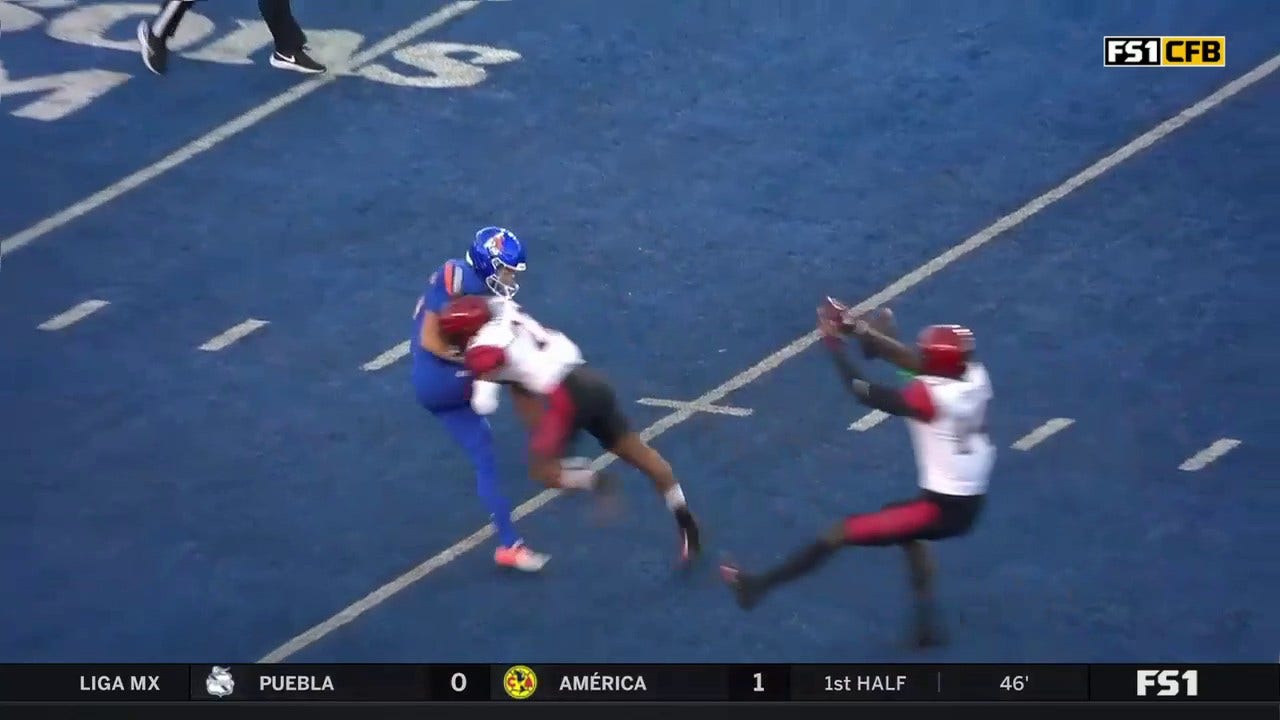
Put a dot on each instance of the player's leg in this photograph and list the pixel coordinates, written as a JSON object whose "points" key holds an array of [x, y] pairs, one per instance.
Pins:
{"points": [[605, 421], [894, 525], [555, 421], [633, 450], [441, 391], [290, 41], [529, 407], [473, 434], [920, 566], [750, 588], [585, 401], [153, 35]]}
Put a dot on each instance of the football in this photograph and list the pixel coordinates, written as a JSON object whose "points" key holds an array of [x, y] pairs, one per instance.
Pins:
{"points": [[833, 310]]}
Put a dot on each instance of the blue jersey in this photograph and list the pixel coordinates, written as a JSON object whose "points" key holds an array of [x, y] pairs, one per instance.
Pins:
{"points": [[454, 278]]}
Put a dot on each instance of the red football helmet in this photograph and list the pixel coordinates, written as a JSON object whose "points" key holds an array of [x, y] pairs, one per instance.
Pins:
{"points": [[462, 318], [945, 350]]}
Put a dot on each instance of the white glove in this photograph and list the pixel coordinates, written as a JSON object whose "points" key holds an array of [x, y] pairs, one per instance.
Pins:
{"points": [[484, 396]]}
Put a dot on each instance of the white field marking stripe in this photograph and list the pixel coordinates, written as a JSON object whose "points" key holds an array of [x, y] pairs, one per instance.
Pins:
{"points": [[751, 374], [682, 405], [73, 315], [387, 358], [232, 335], [230, 129], [870, 420], [1213, 452], [1042, 433]]}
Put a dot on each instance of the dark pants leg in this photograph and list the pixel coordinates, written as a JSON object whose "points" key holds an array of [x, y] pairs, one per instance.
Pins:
{"points": [[166, 21], [285, 30]]}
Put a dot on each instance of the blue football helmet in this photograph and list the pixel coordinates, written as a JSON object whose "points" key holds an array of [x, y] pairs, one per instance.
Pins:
{"points": [[497, 254]]}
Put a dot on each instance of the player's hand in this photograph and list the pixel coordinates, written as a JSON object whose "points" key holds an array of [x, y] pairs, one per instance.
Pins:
{"points": [[830, 328], [867, 328], [830, 320]]}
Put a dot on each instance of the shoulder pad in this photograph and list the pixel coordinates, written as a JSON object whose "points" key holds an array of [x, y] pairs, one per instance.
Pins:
{"points": [[452, 277]]}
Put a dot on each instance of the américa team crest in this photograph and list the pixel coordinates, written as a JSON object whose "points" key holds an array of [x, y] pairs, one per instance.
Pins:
{"points": [[519, 681]]}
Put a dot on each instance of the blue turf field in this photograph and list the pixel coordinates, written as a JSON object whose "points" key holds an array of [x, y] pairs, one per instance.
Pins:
{"points": [[697, 175]]}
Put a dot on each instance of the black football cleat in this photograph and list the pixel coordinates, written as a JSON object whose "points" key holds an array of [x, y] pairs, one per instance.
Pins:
{"points": [[690, 536], [745, 590]]}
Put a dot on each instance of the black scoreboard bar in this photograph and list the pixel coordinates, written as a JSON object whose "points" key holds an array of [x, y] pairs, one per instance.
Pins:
{"points": [[533, 683]]}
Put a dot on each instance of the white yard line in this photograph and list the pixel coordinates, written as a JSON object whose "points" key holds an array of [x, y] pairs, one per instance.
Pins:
{"points": [[870, 420], [232, 335], [1202, 459], [1042, 433], [696, 407], [73, 315], [388, 358]]}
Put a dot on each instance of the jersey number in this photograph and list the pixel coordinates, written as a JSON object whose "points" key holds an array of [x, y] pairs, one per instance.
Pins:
{"points": [[966, 431], [539, 335]]}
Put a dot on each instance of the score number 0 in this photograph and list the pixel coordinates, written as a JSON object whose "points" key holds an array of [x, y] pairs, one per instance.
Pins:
{"points": [[458, 682]]}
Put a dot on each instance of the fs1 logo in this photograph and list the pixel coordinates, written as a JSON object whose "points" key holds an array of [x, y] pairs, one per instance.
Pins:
{"points": [[1164, 51], [1171, 683]]}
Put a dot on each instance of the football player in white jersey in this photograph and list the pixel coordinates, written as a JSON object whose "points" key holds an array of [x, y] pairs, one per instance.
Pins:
{"points": [[504, 345], [945, 409]]}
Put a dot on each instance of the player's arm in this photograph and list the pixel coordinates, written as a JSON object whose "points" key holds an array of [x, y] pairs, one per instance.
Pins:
{"points": [[486, 354], [431, 340], [445, 285], [912, 402], [876, 332], [884, 345]]}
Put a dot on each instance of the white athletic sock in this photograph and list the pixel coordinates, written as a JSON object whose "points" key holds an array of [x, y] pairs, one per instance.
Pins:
{"points": [[674, 498], [577, 478]]}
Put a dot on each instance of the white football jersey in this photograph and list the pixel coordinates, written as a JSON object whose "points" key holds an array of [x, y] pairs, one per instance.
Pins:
{"points": [[953, 452], [537, 358]]}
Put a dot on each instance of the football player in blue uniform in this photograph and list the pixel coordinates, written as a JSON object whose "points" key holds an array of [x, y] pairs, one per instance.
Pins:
{"points": [[446, 389]]}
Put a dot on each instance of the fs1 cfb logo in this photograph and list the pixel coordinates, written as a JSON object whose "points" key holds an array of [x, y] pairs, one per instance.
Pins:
{"points": [[1164, 51], [1168, 683]]}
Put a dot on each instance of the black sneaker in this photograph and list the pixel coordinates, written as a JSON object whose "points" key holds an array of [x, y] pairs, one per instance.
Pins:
{"points": [[155, 54], [299, 61]]}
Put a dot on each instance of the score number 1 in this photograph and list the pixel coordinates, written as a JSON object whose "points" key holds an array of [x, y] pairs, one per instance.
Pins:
{"points": [[760, 683], [1015, 683]]}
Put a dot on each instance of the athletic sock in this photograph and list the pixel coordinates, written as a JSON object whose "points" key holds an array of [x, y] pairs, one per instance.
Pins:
{"points": [[674, 497], [577, 478]]}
